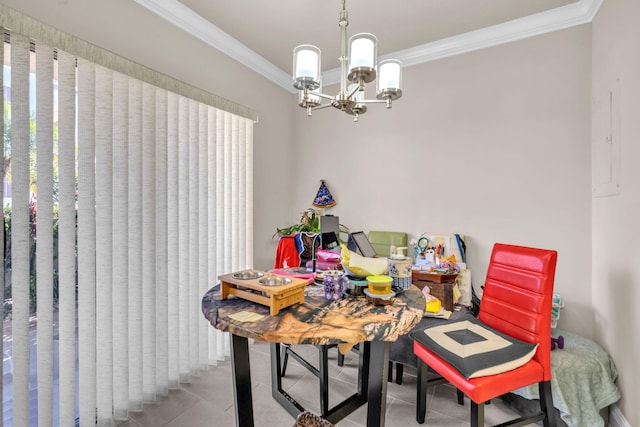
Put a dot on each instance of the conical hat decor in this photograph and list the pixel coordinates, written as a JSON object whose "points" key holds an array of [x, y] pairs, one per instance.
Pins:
{"points": [[323, 199]]}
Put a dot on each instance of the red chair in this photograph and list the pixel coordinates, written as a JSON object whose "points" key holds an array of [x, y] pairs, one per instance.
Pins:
{"points": [[516, 301]]}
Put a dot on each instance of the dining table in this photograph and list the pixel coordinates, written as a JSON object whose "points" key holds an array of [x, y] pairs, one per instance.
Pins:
{"points": [[371, 324]]}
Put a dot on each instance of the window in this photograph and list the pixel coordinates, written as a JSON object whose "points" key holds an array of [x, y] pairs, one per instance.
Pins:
{"points": [[126, 201]]}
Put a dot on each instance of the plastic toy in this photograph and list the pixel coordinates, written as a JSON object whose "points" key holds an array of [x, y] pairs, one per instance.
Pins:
{"points": [[557, 342]]}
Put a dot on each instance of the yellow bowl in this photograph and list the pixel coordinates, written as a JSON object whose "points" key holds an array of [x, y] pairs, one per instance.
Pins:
{"points": [[379, 284]]}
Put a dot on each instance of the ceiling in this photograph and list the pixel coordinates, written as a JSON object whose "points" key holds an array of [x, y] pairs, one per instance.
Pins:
{"points": [[261, 34]]}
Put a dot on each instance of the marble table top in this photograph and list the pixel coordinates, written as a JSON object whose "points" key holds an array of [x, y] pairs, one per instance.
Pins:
{"points": [[317, 321]]}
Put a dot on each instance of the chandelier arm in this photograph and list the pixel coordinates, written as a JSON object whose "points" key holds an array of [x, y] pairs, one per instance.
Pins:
{"points": [[372, 101], [351, 94], [325, 96], [321, 107]]}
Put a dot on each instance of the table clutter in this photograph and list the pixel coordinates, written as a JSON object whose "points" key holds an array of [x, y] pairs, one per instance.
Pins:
{"points": [[344, 273]]}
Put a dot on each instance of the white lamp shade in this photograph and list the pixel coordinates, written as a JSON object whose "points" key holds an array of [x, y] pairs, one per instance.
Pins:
{"points": [[389, 75], [363, 51], [306, 64]]}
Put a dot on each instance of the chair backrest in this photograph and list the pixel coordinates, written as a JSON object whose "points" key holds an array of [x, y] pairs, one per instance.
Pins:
{"points": [[383, 240], [518, 296]]}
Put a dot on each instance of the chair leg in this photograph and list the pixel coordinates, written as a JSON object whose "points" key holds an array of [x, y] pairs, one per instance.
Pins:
{"points": [[285, 359], [421, 398], [340, 359], [390, 373], [546, 403], [324, 379], [477, 414], [399, 372], [460, 396]]}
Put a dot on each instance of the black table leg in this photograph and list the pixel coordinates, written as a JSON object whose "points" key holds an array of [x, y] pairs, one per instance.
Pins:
{"points": [[241, 381], [378, 370]]}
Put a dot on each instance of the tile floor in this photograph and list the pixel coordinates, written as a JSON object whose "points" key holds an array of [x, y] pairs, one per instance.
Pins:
{"points": [[208, 401]]}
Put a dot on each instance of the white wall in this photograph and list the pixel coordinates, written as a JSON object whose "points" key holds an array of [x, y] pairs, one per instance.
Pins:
{"points": [[493, 144], [616, 271]]}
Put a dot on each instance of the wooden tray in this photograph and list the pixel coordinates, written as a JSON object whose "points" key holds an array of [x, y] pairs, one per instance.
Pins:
{"points": [[274, 297]]}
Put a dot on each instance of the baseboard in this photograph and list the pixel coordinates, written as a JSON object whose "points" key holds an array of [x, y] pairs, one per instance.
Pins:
{"points": [[616, 417]]}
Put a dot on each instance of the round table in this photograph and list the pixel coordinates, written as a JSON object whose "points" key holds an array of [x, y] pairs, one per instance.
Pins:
{"points": [[317, 321]]}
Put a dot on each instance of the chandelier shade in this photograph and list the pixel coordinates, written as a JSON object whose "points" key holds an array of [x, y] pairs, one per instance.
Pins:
{"points": [[390, 79], [359, 65], [362, 57], [306, 67]]}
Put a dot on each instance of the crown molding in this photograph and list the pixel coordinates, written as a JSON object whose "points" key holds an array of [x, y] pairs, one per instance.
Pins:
{"points": [[194, 24], [578, 13]]}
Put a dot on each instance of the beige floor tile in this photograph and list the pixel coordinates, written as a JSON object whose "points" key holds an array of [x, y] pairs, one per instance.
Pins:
{"points": [[207, 400]]}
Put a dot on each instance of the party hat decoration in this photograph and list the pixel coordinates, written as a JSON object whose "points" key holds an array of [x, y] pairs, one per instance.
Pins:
{"points": [[323, 199]]}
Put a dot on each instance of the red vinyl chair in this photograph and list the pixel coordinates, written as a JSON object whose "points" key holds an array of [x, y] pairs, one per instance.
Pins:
{"points": [[516, 301]]}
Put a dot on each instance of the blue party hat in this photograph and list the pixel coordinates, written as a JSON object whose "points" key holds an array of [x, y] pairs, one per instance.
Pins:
{"points": [[323, 199]]}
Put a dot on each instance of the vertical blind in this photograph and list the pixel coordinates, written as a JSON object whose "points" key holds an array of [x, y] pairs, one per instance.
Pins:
{"points": [[153, 196]]}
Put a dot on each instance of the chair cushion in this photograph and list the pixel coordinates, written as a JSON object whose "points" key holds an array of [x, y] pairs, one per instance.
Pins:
{"points": [[473, 348]]}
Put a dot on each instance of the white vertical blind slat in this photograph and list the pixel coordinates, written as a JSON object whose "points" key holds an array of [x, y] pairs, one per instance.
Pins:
{"points": [[67, 236], [235, 187], [203, 234], [87, 329], [194, 256], [20, 233], [229, 262], [149, 242], [222, 263], [104, 251], [212, 273], [248, 207], [242, 196], [134, 208], [162, 289], [44, 231], [173, 241], [183, 224], [120, 224], [218, 199]]}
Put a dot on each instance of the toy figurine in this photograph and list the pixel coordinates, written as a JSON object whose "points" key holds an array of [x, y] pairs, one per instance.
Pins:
{"points": [[559, 342]]}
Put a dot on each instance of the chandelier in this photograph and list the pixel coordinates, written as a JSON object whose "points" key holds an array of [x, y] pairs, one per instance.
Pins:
{"points": [[358, 68]]}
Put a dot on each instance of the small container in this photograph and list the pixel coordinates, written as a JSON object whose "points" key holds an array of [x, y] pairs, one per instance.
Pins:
{"points": [[273, 280], [247, 275], [335, 284], [400, 271], [379, 284], [356, 287]]}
